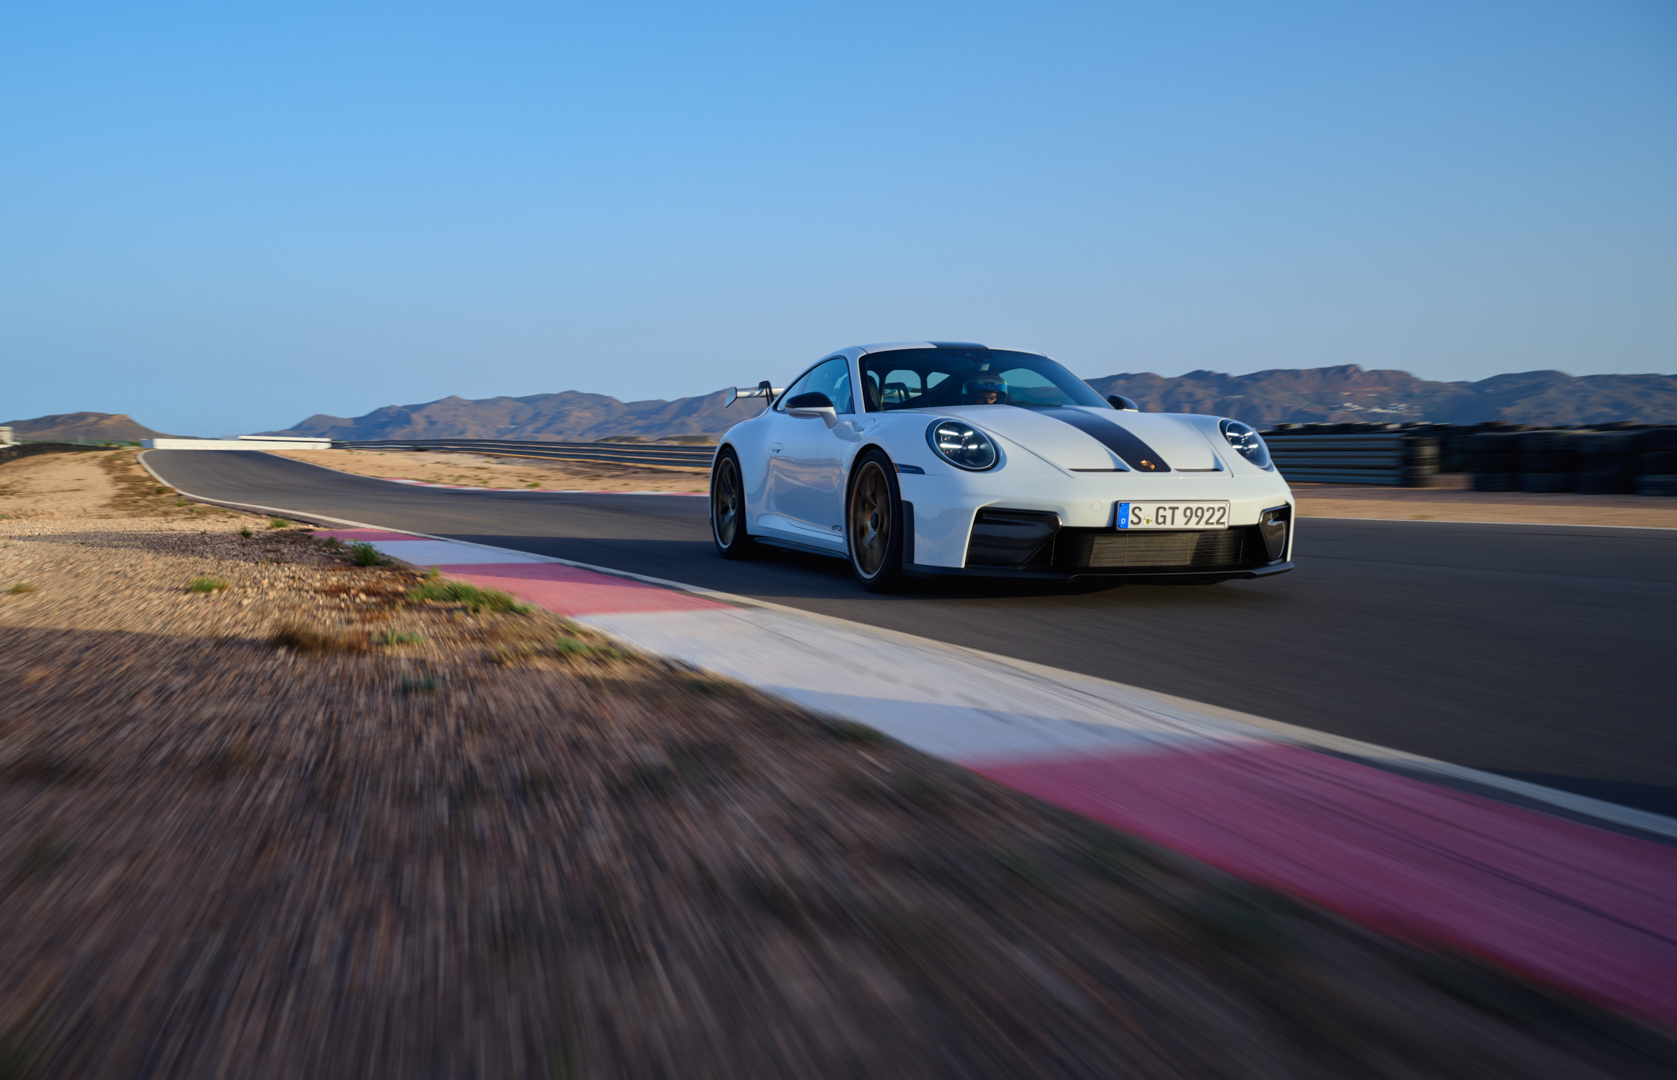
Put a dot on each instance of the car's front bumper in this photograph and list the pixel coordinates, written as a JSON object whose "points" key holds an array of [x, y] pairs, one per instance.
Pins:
{"points": [[942, 512]]}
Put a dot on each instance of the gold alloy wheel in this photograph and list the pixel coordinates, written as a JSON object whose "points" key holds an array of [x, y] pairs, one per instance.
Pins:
{"points": [[725, 501], [870, 519]]}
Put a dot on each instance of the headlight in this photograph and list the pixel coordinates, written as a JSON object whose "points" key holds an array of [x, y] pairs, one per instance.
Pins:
{"points": [[1247, 443], [962, 445]]}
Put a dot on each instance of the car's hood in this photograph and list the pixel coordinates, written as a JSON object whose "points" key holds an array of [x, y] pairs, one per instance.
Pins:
{"points": [[1079, 438]]}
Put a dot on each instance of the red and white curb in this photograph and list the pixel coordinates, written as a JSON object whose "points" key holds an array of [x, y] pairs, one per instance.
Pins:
{"points": [[1587, 909]]}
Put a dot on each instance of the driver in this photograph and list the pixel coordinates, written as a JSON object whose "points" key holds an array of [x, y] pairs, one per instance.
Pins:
{"points": [[984, 390]]}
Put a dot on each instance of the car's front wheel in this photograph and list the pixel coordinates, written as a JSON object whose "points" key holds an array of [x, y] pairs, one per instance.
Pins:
{"points": [[874, 523], [727, 508]]}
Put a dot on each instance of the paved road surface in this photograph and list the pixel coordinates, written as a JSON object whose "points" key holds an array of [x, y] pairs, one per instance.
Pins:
{"points": [[1538, 652]]}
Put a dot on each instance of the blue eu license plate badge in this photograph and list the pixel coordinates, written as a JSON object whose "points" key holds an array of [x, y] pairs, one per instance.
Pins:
{"points": [[1123, 515]]}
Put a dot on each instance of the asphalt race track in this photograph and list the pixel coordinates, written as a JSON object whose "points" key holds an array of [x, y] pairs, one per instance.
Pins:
{"points": [[1543, 653]]}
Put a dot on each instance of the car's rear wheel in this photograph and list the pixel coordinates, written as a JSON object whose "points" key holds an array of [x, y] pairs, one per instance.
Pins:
{"points": [[727, 509], [874, 523]]}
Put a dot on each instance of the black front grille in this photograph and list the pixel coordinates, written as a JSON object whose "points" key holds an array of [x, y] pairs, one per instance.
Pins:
{"points": [[1159, 549]]}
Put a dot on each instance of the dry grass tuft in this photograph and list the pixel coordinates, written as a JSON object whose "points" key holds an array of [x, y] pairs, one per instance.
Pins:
{"points": [[21, 587]]}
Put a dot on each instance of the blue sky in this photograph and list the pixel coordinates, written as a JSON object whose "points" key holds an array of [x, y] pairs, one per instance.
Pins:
{"points": [[224, 217]]}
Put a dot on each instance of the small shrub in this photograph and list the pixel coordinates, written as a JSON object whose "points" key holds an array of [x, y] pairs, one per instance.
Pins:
{"points": [[182, 502], [567, 646], [362, 553], [424, 685], [21, 587], [245, 532], [45, 855], [206, 585], [278, 523], [474, 598], [315, 639], [49, 769], [160, 491], [332, 542], [400, 637]]}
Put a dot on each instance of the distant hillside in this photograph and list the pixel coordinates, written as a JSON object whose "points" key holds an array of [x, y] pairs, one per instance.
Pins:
{"points": [[1344, 394], [551, 417], [1321, 395], [114, 427]]}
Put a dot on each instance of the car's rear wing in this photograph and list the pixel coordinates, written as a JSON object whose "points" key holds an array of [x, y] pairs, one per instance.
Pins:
{"points": [[762, 390]]}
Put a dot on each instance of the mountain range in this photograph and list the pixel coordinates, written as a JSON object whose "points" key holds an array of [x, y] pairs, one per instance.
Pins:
{"points": [[564, 417], [1347, 393], [1324, 395], [99, 426], [1320, 395]]}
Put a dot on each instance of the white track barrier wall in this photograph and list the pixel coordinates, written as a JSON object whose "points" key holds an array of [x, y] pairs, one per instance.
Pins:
{"points": [[237, 444]]}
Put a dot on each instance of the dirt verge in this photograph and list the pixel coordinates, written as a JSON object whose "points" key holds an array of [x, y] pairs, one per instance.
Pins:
{"points": [[304, 823]]}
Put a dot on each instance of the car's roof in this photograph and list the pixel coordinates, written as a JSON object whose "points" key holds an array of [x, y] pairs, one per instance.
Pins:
{"points": [[888, 346], [891, 346]]}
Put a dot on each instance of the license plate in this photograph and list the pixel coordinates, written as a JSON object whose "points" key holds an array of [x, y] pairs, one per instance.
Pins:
{"points": [[1173, 515]]}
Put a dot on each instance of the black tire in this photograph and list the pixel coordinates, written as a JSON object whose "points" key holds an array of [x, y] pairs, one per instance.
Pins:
{"points": [[727, 508], [1496, 481], [873, 523], [1545, 483], [1656, 485]]}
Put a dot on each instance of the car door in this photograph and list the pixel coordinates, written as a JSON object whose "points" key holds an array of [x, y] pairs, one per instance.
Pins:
{"points": [[763, 516], [806, 475]]}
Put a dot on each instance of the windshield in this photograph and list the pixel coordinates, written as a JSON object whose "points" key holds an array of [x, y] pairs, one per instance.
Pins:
{"points": [[942, 378]]}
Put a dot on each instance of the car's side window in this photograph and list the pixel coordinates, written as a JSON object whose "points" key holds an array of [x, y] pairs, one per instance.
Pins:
{"points": [[833, 379], [794, 390]]}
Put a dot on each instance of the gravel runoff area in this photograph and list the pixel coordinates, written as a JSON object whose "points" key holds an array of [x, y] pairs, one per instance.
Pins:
{"points": [[309, 823], [1450, 500]]}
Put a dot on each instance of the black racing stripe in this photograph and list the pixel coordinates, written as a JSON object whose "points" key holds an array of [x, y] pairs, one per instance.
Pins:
{"points": [[1115, 437]]}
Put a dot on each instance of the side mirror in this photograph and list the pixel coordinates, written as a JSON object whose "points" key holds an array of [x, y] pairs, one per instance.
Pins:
{"points": [[812, 406], [1122, 403]]}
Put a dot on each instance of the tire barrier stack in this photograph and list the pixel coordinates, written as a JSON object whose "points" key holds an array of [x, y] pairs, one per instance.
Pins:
{"points": [[1587, 462], [1394, 458], [676, 456]]}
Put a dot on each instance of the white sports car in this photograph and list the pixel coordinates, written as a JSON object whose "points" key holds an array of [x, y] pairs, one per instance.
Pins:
{"points": [[934, 458]]}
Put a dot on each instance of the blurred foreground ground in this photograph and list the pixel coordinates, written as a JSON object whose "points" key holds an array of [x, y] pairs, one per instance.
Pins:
{"points": [[1450, 500], [493, 847]]}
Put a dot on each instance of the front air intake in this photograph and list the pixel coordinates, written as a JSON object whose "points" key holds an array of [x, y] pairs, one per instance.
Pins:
{"points": [[1010, 538], [1200, 549], [1273, 524]]}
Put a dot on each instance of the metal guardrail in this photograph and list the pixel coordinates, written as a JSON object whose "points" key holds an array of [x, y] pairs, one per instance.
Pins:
{"points": [[1392, 459], [30, 449], [688, 457]]}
